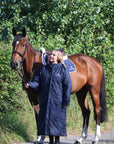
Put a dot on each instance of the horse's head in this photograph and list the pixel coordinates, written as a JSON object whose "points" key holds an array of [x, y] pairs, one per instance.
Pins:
{"points": [[19, 48]]}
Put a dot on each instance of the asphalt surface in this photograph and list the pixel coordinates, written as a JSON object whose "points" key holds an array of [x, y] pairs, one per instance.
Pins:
{"points": [[107, 138]]}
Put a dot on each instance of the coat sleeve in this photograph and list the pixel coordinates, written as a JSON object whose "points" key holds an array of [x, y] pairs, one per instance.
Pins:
{"points": [[66, 88], [36, 82]]}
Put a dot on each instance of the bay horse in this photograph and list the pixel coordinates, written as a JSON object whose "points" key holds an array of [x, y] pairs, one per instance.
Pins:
{"points": [[88, 77]]}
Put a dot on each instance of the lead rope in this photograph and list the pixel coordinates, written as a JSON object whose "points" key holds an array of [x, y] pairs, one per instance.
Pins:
{"points": [[21, 74]]}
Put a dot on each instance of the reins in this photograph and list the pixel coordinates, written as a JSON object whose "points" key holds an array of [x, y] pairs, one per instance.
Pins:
{"points": [[21, 73]]}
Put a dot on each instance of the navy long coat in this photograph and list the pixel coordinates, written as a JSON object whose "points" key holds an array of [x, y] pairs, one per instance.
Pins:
{"points": [[54, 83]]}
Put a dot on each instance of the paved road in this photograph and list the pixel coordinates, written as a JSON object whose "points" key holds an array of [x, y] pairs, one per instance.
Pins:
{"points": [[107, 138]]}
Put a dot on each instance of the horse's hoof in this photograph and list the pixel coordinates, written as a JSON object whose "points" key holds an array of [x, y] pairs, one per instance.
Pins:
{"points": [[77, 142]]}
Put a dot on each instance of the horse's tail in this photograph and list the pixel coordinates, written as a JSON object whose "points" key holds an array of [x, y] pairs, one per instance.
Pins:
{"points": [[102, 96]]}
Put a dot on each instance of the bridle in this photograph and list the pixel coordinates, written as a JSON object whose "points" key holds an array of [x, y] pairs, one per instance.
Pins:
{"points": [[21, 72], [21, 55]]}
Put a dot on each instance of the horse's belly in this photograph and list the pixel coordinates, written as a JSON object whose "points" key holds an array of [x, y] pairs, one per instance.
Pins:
{"points": [[77, 83]]}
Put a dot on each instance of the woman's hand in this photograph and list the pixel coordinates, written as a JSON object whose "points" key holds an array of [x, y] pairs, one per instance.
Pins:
{"points": [[27, 85], [64, 106]]}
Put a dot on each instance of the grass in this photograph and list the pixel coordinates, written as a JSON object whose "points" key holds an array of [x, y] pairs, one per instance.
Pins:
{"points": [[18, 126]]}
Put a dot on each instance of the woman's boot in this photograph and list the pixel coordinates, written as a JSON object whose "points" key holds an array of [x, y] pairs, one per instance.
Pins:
{"points": [[51, 138], [57, 140]]}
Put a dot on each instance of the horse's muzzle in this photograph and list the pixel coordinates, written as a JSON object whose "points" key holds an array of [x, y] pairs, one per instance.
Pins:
{"points": [[14, 65]]}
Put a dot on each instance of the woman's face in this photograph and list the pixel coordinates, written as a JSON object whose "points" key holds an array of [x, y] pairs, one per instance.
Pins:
{"points": [[53, 57]]}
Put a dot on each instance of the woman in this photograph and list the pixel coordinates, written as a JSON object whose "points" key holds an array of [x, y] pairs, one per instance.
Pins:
{"points": [[54, 83]]}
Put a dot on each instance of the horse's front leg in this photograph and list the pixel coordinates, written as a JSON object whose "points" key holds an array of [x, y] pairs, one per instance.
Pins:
{"points": [[84, 132], [40, 139]]}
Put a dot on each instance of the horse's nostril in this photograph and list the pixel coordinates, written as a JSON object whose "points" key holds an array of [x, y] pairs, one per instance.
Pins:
{"points": [[14, 65]]}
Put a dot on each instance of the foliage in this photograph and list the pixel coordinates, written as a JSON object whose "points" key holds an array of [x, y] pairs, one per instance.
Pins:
{"points": [[8, 78], [108, 66], [82, 24]]}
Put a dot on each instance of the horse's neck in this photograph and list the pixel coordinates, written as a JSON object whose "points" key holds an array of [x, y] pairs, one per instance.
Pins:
{"points": [[30, 59], [32, 63], [37, 61], [28, 63]]}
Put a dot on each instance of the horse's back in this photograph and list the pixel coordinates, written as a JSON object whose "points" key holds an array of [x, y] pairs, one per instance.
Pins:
{"points": [[88, 71]]}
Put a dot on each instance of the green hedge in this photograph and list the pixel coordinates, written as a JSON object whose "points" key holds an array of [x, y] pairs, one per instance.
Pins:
{"points": [[77, 26]]}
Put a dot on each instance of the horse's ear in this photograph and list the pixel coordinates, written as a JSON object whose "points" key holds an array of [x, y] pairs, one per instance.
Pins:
{"points": [[24, 32], [14, 32]]}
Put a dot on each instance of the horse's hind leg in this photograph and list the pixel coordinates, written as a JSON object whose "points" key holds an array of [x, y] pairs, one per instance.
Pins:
{"points": [[94, 92], [82, 100]]}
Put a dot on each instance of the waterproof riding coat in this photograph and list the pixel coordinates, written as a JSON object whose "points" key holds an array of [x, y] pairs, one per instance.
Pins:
{"points": [[54, 84]]}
